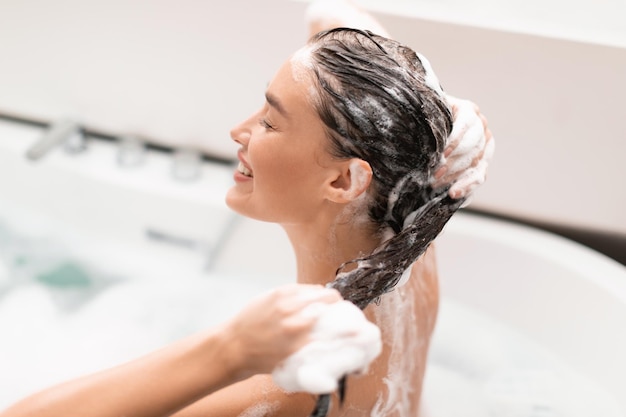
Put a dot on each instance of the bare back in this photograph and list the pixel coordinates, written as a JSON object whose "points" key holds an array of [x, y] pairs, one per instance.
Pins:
{"points": [[406, 317]]}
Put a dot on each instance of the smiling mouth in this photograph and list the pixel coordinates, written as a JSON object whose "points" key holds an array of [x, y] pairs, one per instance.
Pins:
{"points": [[243, 170]]}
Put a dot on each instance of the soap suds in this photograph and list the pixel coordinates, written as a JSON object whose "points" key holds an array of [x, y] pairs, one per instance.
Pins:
{"points": [[301, 64], [430, 78], [468, 139], [261, 409], [411, 176], [405, 276], [396, 316], [342, 342]]}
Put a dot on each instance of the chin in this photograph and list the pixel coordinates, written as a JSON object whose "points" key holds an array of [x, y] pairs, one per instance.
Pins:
{"points": [[234, 201], [240, 204]]}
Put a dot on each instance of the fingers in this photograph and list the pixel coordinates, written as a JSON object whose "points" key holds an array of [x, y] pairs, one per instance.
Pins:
{"points": [[466, 148], [468, 151], [465, 118], [466, 184], [306, 305], [463, 153], [276, 324], [295, 297], [473, 177]]}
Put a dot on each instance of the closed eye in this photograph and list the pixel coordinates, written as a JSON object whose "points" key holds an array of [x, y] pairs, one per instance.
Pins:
{"points": [[266, 124]]}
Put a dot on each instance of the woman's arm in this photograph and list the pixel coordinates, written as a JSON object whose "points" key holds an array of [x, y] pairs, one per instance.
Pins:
{"points": [[161, 383], [255, 396]]}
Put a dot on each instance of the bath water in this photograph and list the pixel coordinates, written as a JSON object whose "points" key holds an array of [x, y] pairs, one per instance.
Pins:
{"points": [[63, 315], [479, 367]]}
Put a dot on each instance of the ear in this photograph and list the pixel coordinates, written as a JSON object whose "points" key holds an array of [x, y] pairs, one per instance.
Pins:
{"points": [[352, 180]]}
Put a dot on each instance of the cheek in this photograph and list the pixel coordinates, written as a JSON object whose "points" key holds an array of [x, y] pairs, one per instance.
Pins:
{"points": [[287, 176], [281, 165], [289, 182]]}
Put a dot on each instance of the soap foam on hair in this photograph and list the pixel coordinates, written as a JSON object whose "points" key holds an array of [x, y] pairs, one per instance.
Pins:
{"points": [[301, 64], [430, 78]]}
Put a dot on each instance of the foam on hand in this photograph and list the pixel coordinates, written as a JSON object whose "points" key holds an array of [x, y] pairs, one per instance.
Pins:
{"points": [[342, 342]]}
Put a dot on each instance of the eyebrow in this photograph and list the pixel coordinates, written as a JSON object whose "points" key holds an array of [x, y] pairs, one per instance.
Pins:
{"points": [[275, 103]]}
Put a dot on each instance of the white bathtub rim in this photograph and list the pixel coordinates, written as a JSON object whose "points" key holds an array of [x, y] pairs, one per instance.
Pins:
{"points": [[603, 271]]}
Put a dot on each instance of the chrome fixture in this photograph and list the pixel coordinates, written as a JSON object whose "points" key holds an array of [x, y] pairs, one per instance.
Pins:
{"points": [[131, 152], [64, 132]]}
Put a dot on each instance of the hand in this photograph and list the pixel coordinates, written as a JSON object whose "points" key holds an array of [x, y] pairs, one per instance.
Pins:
{"points": [[469, 149], [343, 342], [272, 326]]}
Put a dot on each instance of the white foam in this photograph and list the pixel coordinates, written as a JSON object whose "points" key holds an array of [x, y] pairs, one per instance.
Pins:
{"points": [[468, 134], [261, 409], [405, 276], [401, 333], [342, 342], [430, 78], [301, 64], [468, 140]]}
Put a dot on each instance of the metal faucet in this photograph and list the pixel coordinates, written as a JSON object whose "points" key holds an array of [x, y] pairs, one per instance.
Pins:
{"points": [[64, 132]]}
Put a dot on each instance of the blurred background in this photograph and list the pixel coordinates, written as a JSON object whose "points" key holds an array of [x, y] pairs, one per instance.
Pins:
{"points": [[548, 75]]}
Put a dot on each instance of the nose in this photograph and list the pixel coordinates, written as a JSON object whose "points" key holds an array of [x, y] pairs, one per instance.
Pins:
{"points": [[242, 132]]}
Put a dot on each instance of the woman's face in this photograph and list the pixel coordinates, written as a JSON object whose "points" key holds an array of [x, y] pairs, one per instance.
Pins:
{"points": [[284, 165]]}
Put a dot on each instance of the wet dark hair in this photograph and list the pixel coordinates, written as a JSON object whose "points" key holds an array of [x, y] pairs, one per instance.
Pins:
{"points": [[376, 104]]}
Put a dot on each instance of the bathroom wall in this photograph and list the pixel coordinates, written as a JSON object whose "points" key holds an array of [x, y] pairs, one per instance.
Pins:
{"points": [[184, 72], [553, 100], [174, 72]]}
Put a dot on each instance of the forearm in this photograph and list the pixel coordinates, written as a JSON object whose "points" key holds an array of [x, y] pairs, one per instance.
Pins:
{"points": [[155, 385], [268, 330]]}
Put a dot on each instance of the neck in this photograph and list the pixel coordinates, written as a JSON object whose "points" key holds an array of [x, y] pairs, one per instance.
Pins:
{"points": [[335, 236]]}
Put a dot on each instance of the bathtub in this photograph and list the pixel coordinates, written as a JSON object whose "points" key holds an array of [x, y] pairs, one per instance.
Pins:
{"points": [[100, 263], [530, 324]]}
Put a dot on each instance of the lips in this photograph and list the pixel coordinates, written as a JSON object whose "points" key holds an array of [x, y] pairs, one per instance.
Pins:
{"points": [[243, 167]]}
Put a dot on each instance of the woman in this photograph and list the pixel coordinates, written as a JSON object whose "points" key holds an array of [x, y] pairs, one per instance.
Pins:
{"points": [[342, 155], [345, 155]]}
